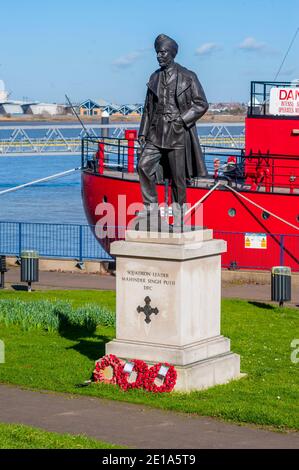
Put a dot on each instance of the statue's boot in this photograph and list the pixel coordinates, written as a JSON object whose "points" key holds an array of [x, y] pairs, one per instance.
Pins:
{"points": [[179, 224], [150, 220]]}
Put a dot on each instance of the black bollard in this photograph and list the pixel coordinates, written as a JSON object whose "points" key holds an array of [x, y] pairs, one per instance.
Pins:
{"points": [[281, 284], [29, 267]]}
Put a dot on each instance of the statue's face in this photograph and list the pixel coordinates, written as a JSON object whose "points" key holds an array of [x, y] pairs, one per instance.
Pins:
{"points": [[164, 57]]}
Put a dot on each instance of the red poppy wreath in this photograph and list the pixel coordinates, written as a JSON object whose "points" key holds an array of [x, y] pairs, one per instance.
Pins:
{"points": [[107, 361], [140, 368], [169, 379]]}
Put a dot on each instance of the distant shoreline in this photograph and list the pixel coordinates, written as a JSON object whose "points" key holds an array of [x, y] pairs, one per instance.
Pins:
{"points": [[209, 119]]}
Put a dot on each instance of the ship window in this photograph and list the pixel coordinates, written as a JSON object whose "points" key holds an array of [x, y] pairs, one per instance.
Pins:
{"points": [[265, 215], [232, 212], [105, 199]]}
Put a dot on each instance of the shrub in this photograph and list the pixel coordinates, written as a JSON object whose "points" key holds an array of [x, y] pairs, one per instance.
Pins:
{"points": [[100, 315], [53, 315]]}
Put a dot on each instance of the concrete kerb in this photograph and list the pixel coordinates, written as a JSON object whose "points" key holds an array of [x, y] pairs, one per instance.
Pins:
{"points": [[251, 277], [67, 265], [104, 267]]}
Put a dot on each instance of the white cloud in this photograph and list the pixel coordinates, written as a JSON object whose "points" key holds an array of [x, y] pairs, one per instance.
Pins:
{"points": [[207, 49], [250, 44], [128, 59]]}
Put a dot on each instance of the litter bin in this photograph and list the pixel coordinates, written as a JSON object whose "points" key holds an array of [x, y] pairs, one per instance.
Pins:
{"points": [[29, 267], [281, 284], [3, 270]]}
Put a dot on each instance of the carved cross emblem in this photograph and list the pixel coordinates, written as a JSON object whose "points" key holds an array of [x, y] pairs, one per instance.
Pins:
{"points": [[147, 310]]}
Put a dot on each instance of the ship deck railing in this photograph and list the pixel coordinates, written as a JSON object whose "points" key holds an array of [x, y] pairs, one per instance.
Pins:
{"points": [[274, 173], [260, 97]]}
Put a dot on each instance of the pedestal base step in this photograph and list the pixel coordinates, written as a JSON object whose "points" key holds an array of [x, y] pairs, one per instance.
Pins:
{"points": [[208, 373], [176, 355]]}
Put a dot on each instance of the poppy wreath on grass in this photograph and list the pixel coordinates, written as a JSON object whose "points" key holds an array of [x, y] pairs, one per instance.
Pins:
{"points": [[107, 361], [141, 369], [168, 383]]}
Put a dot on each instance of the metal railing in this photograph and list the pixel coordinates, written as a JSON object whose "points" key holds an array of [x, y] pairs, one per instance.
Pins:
{"points": [[114, 154], [264, 172], [48, 139], [69, 241], [39, 139], [277, 250], [260, 95], [78, 242]]}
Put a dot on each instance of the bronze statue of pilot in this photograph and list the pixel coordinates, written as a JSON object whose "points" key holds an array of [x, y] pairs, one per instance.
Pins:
{"points": [[168, 136]]}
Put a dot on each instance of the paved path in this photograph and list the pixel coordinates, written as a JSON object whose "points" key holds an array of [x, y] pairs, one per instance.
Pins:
{"points": [[79, 280], [62, 280], [132, 425]]}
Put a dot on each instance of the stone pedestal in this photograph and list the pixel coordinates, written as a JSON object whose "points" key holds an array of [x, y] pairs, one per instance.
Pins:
{"points": [[168, 289]]}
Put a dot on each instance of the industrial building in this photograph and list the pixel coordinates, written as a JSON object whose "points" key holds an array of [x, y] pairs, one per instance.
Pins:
{"points": [[20, 108], [16, 108], [43, 108], [97, 107], [88, 107], [10, 108]]}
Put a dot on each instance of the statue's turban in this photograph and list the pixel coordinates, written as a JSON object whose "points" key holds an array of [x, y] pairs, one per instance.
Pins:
{"points": [[165, 41]]}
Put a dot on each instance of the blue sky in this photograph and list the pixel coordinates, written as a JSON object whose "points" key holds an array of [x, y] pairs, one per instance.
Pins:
{"points": [[96, 48]]}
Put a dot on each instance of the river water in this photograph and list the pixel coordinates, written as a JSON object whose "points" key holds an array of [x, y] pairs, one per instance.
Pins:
{"points": [[57, 201]]}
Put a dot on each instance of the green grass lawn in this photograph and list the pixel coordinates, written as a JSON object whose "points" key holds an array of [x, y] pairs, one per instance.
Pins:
{"points": [[15, 436], [260, 333], [77, 297]]}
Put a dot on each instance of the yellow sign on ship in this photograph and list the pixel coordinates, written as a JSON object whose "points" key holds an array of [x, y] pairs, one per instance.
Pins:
{"points": [[255, 240]]}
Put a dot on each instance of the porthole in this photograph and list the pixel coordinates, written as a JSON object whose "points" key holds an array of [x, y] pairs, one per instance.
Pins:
{"points": [[232, 212], [265, 215]]}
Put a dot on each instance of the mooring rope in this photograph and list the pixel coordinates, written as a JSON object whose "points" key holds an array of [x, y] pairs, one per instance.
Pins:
{"points": [[41, 180], [262, 208], [187, 215]]}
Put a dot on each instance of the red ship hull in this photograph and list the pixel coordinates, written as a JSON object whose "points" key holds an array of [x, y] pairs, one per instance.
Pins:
{"points": [[282, 241]]}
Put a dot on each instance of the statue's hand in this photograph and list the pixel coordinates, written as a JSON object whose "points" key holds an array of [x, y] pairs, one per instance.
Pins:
{"points": [[141, 140], [179, 120]]}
